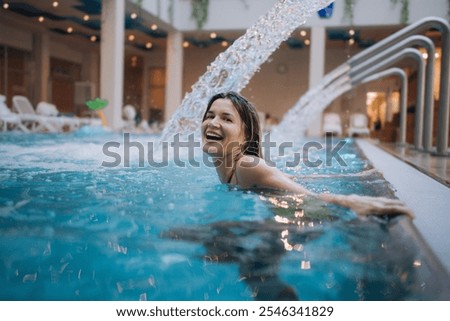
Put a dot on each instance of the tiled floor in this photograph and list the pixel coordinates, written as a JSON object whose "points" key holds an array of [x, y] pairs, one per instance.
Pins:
{"points": [[437, 167]]}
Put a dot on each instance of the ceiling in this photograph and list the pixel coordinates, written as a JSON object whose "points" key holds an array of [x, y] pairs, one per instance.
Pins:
{"points": [[82, 19], [146, 32]]}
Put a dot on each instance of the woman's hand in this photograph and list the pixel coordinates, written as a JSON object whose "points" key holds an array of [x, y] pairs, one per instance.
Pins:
{"points": [[368, 205]]}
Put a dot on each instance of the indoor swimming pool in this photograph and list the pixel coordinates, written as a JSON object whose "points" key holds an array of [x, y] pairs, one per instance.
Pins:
{"points": [[73, 228]]}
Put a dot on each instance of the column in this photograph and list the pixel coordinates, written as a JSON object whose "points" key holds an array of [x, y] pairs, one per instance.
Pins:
{"points": [[111, 60], [174, 73], [316, 72], [41, 44], [90, 71], [145, 87]]}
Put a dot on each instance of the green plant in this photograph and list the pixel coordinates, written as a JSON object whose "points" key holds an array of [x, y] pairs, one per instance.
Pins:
{"points": [[200, 12], [348, 10], [404, 14], [170, 10]]}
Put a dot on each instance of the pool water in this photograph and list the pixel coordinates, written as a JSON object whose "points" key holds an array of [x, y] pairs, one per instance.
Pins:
{"points": [[72, 229]]}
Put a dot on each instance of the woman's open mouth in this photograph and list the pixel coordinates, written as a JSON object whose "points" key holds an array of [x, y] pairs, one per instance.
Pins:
{"points": [[213, 136]]}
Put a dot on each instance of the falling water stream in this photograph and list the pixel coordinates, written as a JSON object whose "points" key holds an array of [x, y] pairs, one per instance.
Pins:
{"points": [[71, 230], [299, 117], [233, 68]]}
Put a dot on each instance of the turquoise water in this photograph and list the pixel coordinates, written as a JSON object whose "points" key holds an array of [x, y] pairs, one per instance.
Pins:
{"points": [[72, 229]]}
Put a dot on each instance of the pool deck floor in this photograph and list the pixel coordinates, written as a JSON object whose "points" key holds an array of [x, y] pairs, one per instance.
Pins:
{"points": [[437, 167], [422, 183]]}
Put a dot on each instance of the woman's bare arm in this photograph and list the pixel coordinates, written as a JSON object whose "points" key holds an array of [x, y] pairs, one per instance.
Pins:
{"points": [[254, 172]]}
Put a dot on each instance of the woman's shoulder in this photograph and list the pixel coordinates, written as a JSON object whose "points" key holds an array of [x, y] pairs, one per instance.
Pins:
{"points": [[252, 171], [251, 162]]}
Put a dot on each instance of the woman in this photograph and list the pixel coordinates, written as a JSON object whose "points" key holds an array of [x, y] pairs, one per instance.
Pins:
{"points": [[231, 136]]}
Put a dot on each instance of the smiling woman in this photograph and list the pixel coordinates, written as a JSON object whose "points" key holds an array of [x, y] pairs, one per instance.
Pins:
{"points": [[230, 130], [231, 136]]}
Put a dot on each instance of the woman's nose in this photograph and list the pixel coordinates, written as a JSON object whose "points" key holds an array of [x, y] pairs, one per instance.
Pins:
{"points": [[213, 123]]}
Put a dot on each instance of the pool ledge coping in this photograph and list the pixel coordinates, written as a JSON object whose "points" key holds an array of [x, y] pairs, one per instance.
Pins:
{"points": [[427, 197]]}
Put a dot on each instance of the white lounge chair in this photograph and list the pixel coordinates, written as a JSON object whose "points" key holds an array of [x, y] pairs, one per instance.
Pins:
{"points": [[358, 125], [332, 124], [29, 117], [8, 119], [62, 123]]}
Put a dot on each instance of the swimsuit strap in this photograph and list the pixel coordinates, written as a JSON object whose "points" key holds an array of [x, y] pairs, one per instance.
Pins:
{"points": [[233, 171]]}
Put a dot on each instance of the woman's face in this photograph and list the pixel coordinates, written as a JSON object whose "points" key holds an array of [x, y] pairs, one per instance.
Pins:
{"points": [[222, 129]]}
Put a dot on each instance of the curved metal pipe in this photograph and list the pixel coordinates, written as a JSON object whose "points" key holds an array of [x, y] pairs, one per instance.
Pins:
{"points": [[419, 26], [424, 112], [443, 110], [395, 71], [407, 52]]}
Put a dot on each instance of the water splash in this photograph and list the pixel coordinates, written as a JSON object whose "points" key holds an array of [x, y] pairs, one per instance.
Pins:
{"points": [[314, 101], [233, 68]]}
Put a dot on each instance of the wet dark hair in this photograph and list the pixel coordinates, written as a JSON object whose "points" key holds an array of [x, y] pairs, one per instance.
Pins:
{"points": [[249, 117]]}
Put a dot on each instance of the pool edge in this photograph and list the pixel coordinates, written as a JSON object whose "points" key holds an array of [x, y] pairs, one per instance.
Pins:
{"points": [[427, 197]]}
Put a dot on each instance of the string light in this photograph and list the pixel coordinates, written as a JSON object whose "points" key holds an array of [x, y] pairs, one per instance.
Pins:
{"points": [[86, 17], [55, 4], [133, 15], [69, 30], [303, 33], [41, 19], [154, 26], [186, 44], [148, 45], [6, 5], [131, 37], [93, 38], [213, 35]]}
